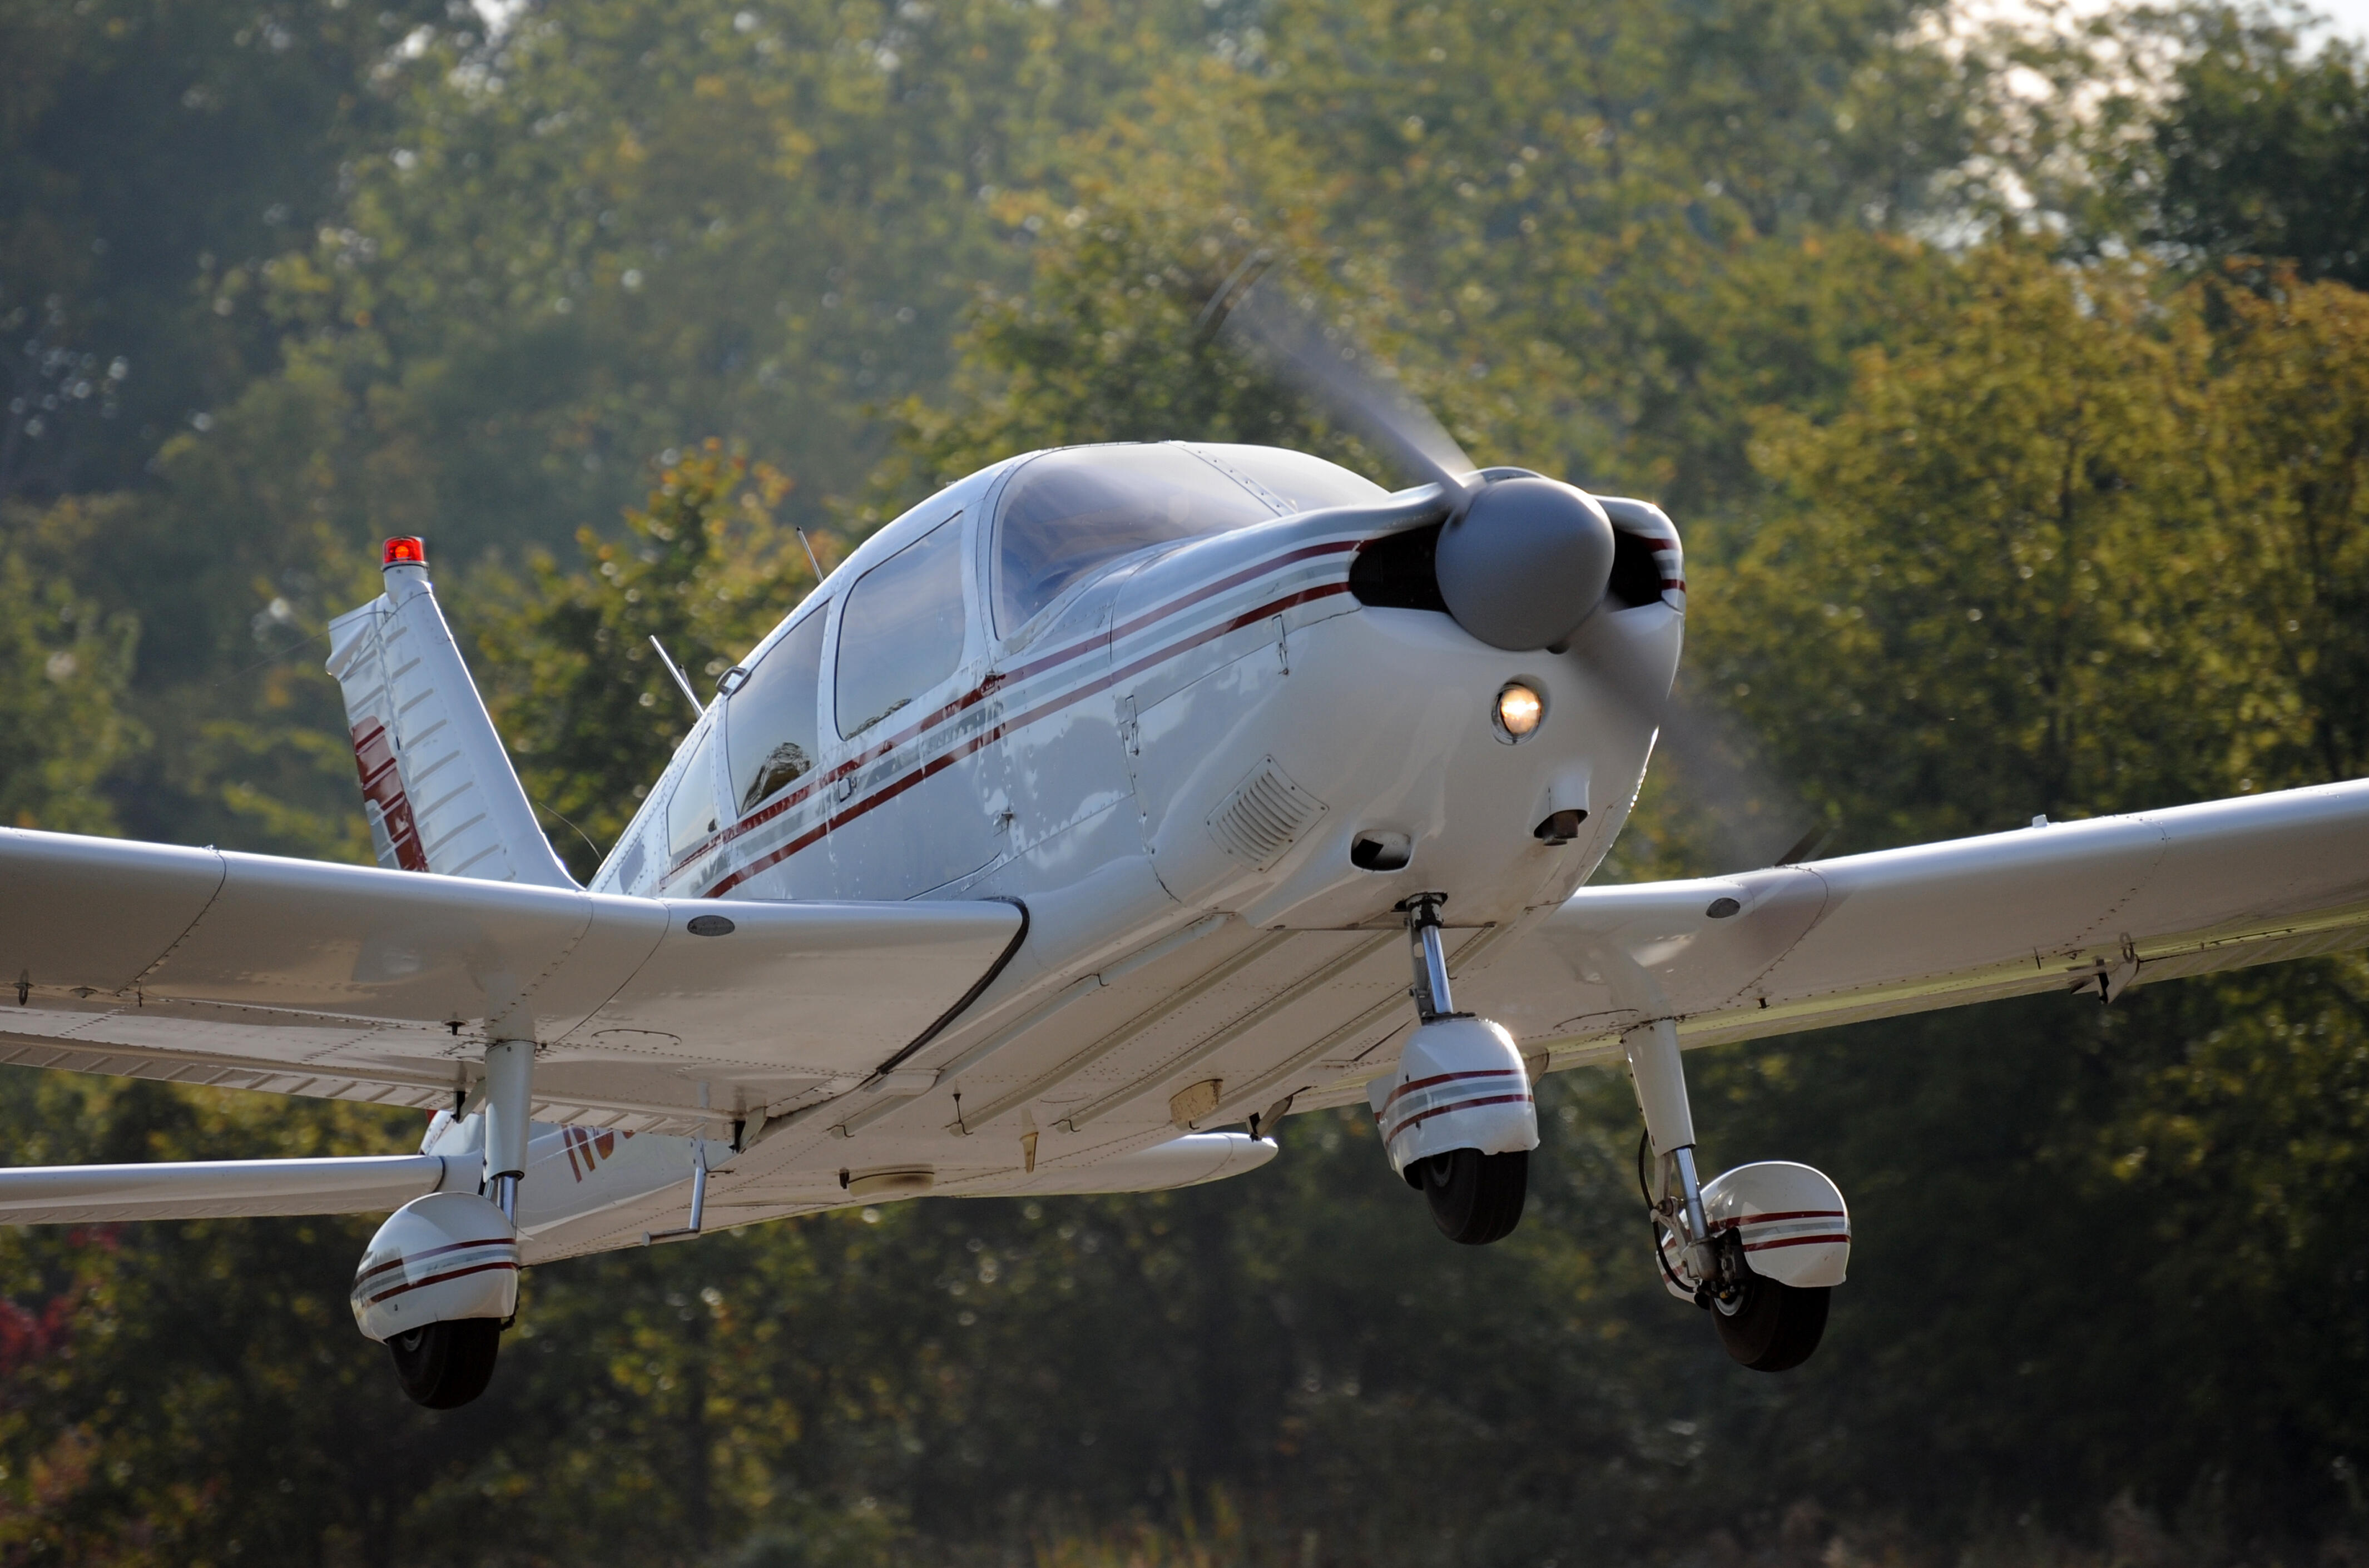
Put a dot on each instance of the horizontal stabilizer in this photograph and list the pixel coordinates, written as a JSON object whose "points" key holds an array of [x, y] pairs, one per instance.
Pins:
{"points": [[63, 1195]]}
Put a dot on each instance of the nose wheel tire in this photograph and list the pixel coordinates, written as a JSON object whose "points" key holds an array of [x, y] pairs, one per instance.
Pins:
{"points": [[444, 1365], [1475, 1198], [1773, 1327]]}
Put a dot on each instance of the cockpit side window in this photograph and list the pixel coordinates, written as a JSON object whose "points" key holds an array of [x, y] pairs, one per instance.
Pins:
{"points": [[901, 633], [773, 729], [691, 814], [1066, 512]]}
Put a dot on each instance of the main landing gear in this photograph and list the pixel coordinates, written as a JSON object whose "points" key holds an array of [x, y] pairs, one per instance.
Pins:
{"points": [[1457, 1117], [438, 1282], [444, 1365], [1760, 1248]]}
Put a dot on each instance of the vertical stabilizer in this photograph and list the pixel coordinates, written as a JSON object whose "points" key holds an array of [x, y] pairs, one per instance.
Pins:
{"points": [[437, 786]]}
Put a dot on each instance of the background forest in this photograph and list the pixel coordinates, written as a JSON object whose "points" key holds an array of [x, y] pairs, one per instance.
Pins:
{"points": [[2011, 387]]}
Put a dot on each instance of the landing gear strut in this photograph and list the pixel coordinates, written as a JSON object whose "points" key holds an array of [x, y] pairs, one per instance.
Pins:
{"points": [[1760, 1248], [439, 1281]]}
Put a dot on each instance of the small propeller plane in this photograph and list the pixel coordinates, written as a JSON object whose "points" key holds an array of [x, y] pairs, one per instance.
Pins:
{"points": [[1086, 821]]}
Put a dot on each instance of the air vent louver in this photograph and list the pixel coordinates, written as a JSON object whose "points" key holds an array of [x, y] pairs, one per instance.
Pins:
{"points": [[1265, 816]]}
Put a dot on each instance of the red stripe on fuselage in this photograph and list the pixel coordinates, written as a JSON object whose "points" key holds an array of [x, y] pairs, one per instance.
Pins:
{"points": [[1043, 710], [997, 680]]}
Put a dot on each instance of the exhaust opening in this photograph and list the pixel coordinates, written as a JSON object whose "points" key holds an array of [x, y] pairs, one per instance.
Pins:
{"points": [[1560, 827]]}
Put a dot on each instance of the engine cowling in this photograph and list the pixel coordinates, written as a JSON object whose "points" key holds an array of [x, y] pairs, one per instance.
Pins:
{"points": [[437, 1259]]}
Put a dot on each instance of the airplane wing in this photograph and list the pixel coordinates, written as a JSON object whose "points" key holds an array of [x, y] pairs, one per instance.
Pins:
{"points": [[2095, 906], [355, 982]]}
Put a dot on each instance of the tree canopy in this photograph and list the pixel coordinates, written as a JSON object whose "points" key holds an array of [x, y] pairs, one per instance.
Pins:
{"points": [[2012, 391]]}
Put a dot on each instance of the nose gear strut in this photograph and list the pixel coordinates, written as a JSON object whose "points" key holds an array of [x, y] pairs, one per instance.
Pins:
{"points": [[1432, 1001]]}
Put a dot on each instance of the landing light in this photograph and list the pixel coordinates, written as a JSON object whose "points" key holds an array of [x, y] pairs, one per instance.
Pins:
{"points": [[1519, 710]]}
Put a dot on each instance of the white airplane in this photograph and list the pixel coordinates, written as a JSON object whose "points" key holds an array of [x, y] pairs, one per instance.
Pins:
{"points": [[1102, 804]]}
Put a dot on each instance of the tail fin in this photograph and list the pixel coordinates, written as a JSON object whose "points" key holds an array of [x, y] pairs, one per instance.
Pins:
{"points": [[437, 786]]}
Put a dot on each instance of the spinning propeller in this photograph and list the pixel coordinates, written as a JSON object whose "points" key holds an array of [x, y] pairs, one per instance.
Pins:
{"points": [[1522, 561]]}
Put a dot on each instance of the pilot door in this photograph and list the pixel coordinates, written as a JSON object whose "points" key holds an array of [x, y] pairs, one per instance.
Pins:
{"points": [[917, 799]]}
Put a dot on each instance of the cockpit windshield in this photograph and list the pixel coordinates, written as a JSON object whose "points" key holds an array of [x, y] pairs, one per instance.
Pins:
{"points": [[1066, 512]]}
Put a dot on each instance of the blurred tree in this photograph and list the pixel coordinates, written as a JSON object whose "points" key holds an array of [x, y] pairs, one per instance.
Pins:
{"points": [[64, 664], [2072, 547], [2262, 147], [154, 155], [570, 675], [192, 1392]]}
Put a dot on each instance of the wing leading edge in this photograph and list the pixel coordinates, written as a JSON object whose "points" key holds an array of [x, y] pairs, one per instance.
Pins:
{"points": [[2094, 906], [250, 971]]}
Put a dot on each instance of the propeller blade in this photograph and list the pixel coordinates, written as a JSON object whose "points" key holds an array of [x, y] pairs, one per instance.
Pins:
{"points": [[1752, 818], [1328, 366]]}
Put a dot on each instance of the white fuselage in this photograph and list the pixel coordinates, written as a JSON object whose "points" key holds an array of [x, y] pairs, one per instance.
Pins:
{"points": [[1167, 767]]}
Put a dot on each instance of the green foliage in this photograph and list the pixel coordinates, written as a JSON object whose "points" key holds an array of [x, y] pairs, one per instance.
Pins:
{"points": [[155, 1374], [64, 664], [2104, 1274], [154, 155], [2074, 547], [2262, 151], [579, 690]]}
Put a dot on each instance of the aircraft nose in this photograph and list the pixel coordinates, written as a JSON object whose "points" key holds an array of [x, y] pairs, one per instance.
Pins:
{"points": [[1528, 562]]}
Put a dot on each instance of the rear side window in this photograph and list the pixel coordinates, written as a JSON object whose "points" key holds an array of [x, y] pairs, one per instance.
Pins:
{"points": [[691, 815], [773, 733], [1068, 513], [901, 633]]}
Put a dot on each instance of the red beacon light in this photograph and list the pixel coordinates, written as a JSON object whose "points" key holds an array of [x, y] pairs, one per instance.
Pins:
{"points": [[405, 552]]}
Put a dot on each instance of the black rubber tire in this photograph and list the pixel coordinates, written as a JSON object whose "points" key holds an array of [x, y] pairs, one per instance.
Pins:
{"points": [[1778, 1325], [1476, 1198], [444, 1365]]}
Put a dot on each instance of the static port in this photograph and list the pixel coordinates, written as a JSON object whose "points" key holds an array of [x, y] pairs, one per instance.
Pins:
{"points": [[1561, 826], [1519, 709], [1378, 850]]}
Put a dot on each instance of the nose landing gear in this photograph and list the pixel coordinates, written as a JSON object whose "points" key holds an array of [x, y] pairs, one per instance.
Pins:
{"points": [[1457, 1117], [1475, 1198]]}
